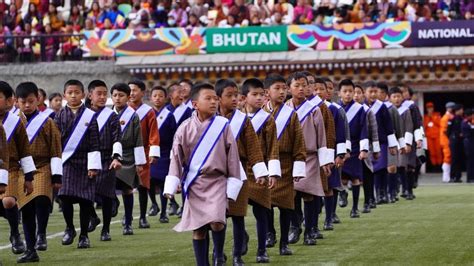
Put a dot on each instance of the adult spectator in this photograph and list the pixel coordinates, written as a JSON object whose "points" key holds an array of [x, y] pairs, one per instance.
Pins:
{"points": [[12, 20], [76, 19], [444, 140], [51, 43], [431, 124], [193, 21], [7, 50], [160, 15], [33, 17], [240, 12], [303, 13], [53, 19], [199, 9], [25, 43], [94, 14], [178, 13], [114, 15], [286, 11]]}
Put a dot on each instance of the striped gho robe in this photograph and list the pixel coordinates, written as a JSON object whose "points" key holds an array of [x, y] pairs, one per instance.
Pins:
{"points": [[4, 156], [399, 131], [373, 134]]}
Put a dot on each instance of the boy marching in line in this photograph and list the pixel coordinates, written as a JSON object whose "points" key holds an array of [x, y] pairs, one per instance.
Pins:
{"points": [[250, 158], [205, 160], [111, 155], [45, 141], [259, 190], [133, 152], [151, 143], [81, 161], [310, 189], [21, 166], [292, 158], [357, 119], [159, 170]]}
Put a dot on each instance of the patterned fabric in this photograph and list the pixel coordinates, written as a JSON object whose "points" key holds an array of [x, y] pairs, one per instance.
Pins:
{"points": [[4, 148], [159, 170], [330, 129]]}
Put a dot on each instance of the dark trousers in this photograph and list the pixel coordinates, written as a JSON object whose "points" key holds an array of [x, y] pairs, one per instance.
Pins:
{"points": [[457, 153], [368, 185], [35, 212], [84, 212]]}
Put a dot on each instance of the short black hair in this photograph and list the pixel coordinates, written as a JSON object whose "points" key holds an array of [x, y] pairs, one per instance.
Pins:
{"points": [[458, 107], [326, 79], [308, 74], [370, 84], [159, 88], [251, 83], [25, 89], [221, 84], [360, 87], [272, 79], [394, 90], [54, 95], [383, 86], [138, 83], [74, 82], [197, 88], [122, 87], [6, 89], [171, 88], [468, 112], [187, 81], [42, 92], [96, 83], [320, 81], [296, 76], [410, 91], [346, 82]]}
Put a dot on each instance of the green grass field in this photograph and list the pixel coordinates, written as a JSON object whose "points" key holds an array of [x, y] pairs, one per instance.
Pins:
{"points": [[436, 228]]}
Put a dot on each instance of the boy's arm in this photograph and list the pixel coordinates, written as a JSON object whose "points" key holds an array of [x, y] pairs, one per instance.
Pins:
{"points": [[347, 130], [138, 150], [234, 184], [364, 134], [388, 124], [330, 130], [55, 152], [117, 150], [254, 153], [409, 128], [4, 158], [24, 153], [321, 139], [94, 160], [299, 148], [374, 132], [154, 135], [272, 148], [175, 173]]}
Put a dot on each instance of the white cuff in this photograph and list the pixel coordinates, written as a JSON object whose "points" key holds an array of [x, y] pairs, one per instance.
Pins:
{"points": [[260, 170], [323, 156], [425, 144], [56, 166], [27, 164], [94, 162], [418, 134], [3, 176], [409, 138], [243, 174], [299, 169], [376, 146], [364, 145], [330, 155], [154, 151], [402, 143], [274, 168], [392, 141], [139, 155], [233, 187], [117, 149], [341, 148], [348, 145], [171, 185]]}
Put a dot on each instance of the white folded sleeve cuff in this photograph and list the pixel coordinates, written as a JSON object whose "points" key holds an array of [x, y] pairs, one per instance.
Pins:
{"points": [[409, 138], [375, 146], [323, 156], [349, 145], [330, 155], [117, 149], [418, 134], [233, 187], [154, 151], [341, 148], [425, 144], [274, 168], [260, 170], [94, 162], [364, 145], [392, 141], [401, 142], [3, 176], [56, 166], [299, 169], [171, 185], [139, 155], [28, 165], [243, 174]]}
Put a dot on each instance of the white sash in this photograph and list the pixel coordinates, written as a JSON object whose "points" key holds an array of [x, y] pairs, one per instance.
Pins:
{"points": [[10, 122], [161, 116], [259, 119], [203, 149], [142, 111], [15, 110], [388, 104], [237, 123], [402, 109], [353, 110], [366, 107], [35, 125], [282, 118], [304, 110], [126, 117], [103, 117], [189, 104], [179, 111], [48, 111], [78, 133], [316, 100], [376, 106]]}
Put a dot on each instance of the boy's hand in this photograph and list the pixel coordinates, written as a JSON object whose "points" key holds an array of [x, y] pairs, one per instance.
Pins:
{"points": [[153, 160], [57, 186], [363, 155], [139, 169], [92, 173], [393, 150], [327, 169], [347, 156], [297, 178], [2, 189], [261, 181], [168, 196], [403, 151], [419, 144], [339, 162], [179, 189], [28, 187], [376, 155], [271, 182], [408, 149], [116, 165]]}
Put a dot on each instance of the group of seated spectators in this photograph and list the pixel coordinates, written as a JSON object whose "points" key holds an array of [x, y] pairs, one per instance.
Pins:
{"points": [[22, 21]]}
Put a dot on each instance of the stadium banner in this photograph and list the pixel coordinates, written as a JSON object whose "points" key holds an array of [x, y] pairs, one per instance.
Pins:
{"points": [[453, 33]]}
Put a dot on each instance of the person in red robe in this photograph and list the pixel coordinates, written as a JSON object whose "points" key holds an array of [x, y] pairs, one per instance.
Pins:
{"points": [[432, 123]]}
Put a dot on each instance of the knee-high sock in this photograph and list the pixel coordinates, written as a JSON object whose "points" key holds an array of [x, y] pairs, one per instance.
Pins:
{"points": [[403, 178], [12, 217], [410, 181], [317, 209], [328, 206], [42, 205], [68, 212], [309, 215], [261, 215], [238, 224], [271, 221], [163, 199], [106, 213], [392, 184], [334, 205], [218, 237], [200, 252], [128, 207], [285, 215], [297, 214], [29, 224], [152, 191], [380, 182], [355, 197], [368, 175], [143, 198], [84, 215]]}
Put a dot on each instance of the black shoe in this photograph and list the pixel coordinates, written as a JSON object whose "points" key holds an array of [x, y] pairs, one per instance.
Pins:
{"points": [[127, 230], [245, 248], [69, 235], [237, 261], [385, 199], [404, 194], [372, 204], [294, 235], [98, 206], [154, 210], [83, 242], [335, 219], [164, 220], [409, 196], [262, 256], [18, 246], [94, 222], [309, 240], [143, 223], [285, 250], [28, 256], [105, 236], [328, 226], [271, 240], [316, 233], [451, 180], [355, 214], [173, 209], [393, 199], [343, 199], [115, 207], [41, 242], [366, 208], [219, 261], [458, 181], [180, 213]]}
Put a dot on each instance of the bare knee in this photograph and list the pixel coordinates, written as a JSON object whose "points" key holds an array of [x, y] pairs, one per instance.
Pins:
{"points": [[199, 234], [127, 191], [392, 169], [8, 202], [216, 227]]}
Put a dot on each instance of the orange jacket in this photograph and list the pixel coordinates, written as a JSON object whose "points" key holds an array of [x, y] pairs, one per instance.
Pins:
{"points": [[443, 137], [431, 124]]}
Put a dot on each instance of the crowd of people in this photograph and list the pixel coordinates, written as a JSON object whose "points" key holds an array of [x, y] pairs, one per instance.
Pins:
{"points": [[297, 144], [21, 22]]}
